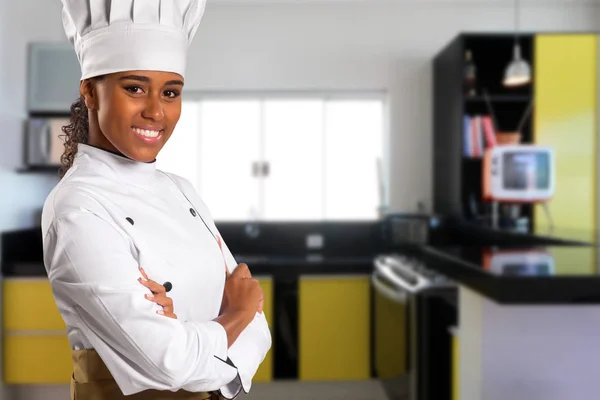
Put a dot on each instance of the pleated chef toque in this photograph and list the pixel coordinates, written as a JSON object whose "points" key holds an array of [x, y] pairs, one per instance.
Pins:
{"points": [[124, 35]]}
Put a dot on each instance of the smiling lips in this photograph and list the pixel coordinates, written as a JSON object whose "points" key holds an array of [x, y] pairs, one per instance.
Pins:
{"points": [[149, 136]]}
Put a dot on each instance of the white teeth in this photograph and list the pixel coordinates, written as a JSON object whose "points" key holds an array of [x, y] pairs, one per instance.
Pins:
{"points": [[147, 133]]}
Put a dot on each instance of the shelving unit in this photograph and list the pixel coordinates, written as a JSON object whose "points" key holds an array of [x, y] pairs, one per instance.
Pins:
{"points": [[457, 177]]}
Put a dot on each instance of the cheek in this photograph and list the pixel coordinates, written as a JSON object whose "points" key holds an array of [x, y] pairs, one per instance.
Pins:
{"points": [[172, 114], [118, 113]]}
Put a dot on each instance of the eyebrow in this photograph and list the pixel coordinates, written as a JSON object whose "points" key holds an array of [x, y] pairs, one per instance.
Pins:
{"points": [[146, 79]]}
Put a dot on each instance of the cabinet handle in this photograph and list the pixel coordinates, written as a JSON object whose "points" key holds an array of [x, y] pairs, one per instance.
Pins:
{"points": [[266, 169], [255, 170]]}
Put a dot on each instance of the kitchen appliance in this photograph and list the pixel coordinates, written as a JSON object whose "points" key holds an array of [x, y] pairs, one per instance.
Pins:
{"points": [[518, 174], [44, 143], [431, 308], [408, 229]]}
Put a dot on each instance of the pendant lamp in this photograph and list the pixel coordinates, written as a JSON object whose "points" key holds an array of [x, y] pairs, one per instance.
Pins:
{"points": [[518, 72]]}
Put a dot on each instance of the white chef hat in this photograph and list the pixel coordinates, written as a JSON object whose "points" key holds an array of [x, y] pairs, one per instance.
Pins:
{"points": [[124, 35]]}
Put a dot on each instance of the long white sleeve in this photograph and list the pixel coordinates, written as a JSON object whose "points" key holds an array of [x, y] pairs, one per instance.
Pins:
{"points": [[93, 273], [251, 347]]}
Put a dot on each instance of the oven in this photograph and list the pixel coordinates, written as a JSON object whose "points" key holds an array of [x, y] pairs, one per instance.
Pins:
{"points": [[428, 303]]}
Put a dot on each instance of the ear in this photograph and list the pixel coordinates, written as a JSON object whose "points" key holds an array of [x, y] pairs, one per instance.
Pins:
{"points": [[87, 89]]}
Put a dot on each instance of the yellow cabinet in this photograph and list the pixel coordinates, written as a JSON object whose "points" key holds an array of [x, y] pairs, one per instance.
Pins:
{"points": [[35, 345], [36, 359], [334, 328], [28, 305], [566, 73], [36, 350], [265, 370]]}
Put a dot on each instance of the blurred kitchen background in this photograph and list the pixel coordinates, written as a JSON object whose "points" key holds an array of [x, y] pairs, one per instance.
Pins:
{"points": [[371, 161]]}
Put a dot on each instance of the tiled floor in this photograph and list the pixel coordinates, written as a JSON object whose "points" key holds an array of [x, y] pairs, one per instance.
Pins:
{"points": [[292, 390], [288, 390]]}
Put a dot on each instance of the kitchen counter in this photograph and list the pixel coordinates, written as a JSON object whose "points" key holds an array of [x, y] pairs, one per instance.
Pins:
{"points": [[276, 266], [501, 308], [520, 275], [279, 250]]}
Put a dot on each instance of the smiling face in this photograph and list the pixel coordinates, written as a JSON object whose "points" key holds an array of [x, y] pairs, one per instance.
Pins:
{"points": [[134, 112]]}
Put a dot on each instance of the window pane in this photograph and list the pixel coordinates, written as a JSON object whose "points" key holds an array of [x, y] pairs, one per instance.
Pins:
{"points": [[229, 143], [180, 153], [353, 138], [322, 157], [293, 149]]}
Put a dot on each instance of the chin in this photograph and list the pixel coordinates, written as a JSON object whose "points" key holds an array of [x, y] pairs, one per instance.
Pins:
{"points": [[144, 155], [139, 154]]}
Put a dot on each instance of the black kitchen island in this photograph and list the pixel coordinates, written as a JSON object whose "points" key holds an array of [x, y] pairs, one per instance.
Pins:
{"points": [[497, 315]]}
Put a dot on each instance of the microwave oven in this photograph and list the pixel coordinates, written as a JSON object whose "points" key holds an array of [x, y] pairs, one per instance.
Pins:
{"points": [[44, 141]]}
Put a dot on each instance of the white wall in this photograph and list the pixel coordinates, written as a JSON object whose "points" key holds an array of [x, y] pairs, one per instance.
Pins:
{"points": [[295, 46], [360, 45]]}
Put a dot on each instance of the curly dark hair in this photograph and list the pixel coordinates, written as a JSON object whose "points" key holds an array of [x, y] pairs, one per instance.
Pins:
{"points": [[76, 132]]}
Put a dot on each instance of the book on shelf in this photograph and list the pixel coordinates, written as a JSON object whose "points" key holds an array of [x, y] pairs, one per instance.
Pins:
{"points": [[479, 135]]}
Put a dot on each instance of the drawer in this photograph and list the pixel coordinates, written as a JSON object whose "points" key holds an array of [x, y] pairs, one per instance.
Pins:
{"points": [[334, 328], [31, 359], [28, 304]]}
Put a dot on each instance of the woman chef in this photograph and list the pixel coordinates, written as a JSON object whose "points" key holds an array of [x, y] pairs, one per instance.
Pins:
{"points": [[113, 213]]}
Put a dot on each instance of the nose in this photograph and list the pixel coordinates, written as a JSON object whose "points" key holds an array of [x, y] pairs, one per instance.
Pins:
{"points": [[153, 109]]}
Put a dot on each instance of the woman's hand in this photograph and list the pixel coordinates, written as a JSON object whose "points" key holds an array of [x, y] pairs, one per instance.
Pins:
{"points": [[158, 296], [242, 297], [240, 272]]}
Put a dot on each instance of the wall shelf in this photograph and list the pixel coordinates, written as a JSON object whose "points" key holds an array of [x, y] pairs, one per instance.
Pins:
{"points": [[500, 99], [457, 169]]}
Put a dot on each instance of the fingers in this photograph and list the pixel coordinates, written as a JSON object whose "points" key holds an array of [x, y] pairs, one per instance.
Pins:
{"points": [[160, 300], [261, 304], [158, 296], [165, 302], [167, 314], [242, 271], [154, 287]]}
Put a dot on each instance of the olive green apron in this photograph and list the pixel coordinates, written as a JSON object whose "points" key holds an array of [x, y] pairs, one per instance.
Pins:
{"points": [[91, 380]]}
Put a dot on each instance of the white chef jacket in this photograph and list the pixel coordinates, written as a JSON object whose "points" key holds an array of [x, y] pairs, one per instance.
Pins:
{"points": [[108, 216]]}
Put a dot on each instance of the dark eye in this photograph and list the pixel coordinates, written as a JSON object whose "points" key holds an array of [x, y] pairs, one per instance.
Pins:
{"points": [[171, 94], [134, 89]]}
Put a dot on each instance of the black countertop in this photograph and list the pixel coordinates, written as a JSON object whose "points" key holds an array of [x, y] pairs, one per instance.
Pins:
{"points": [[550, 267], [278, 249], [312, 264], [520, 274], [278, 266]]}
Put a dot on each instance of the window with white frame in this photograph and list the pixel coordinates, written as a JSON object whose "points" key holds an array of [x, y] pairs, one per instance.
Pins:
{"points": [[282, 158]]}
